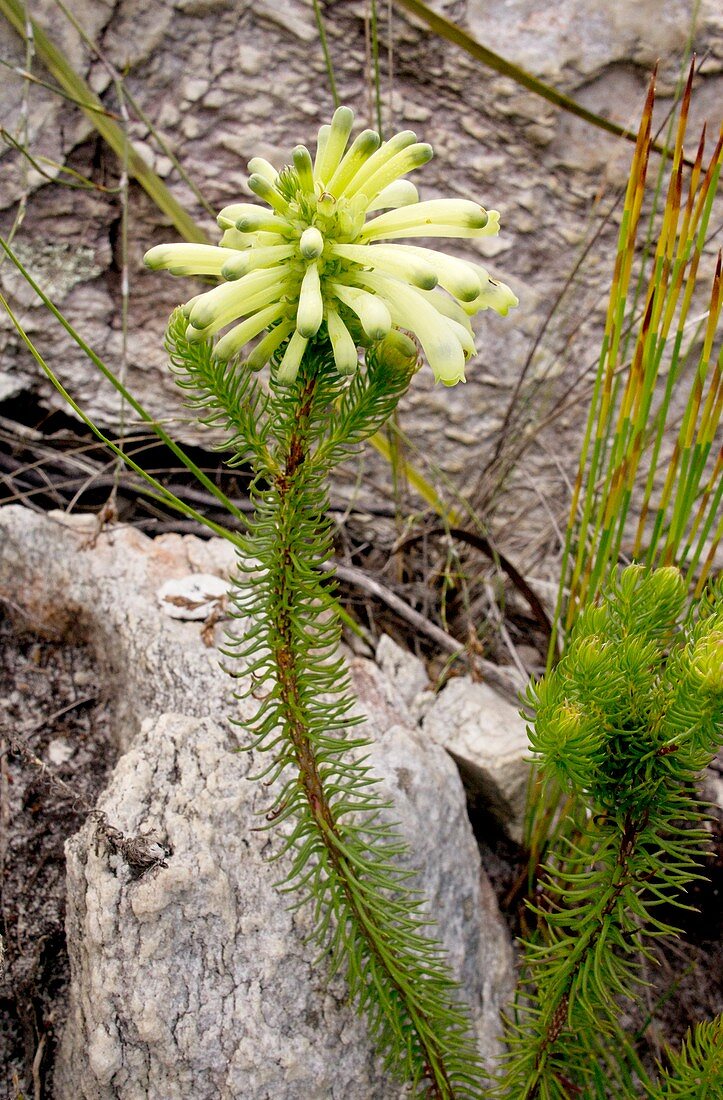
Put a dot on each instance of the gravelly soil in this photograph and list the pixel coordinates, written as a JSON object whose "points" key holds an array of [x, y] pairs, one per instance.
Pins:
{"points": [[50, 698]]}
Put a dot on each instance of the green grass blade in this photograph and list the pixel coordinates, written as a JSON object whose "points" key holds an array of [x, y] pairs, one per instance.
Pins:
{"points": [[445, 28], [121, 389], [57, 64], [631, 407], [375, 65], [124, 95], [327, 55]]}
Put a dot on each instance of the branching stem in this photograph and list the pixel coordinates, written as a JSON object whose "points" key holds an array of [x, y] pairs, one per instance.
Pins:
{"points": [[345, 853], [557, 1006]]}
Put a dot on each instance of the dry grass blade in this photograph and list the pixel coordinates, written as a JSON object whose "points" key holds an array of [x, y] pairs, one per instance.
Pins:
{"points": [[624, 463], [636, 496]]}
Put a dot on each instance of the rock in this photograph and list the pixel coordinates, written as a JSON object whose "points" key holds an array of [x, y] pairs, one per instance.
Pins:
{"points": [[195, 979], [267, 91], [488, 738], [59, 751], [404, 672], [107, 594], [582, 34], [194, 597]]}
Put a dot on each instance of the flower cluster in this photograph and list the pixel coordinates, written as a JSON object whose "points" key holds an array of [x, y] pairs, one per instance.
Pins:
{"points": [[310, 258]]}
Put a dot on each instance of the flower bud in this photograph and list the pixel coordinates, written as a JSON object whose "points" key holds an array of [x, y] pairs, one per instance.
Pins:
{"points": [[344, 348], [256, 219], [266, 347], [399, 352], [369, 308], [339, 131], [291, 361], [310, 312], [361, 150], [399, 193], [311, 244], [262, 168], [304, 168], [307, 254], [707, 662], [268, 192]]}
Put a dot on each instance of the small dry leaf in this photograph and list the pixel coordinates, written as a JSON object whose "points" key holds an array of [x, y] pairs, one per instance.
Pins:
{"points": [[193, 597]]}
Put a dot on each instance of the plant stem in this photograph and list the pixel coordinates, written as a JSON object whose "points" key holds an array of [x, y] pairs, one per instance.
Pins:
{"points": [[557, 1007], [288, 674]]}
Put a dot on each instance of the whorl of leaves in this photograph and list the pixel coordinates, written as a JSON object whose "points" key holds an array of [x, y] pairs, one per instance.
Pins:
{"points": [[343, 857], [222, 395], [625, 723], [696, 1071]]}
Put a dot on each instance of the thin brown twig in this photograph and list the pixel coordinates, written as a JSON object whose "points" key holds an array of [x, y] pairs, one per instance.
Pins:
{"points": [[51, 719], [18, 745], [57, 90], [485, 546], [505, 680], [37, 1062]]}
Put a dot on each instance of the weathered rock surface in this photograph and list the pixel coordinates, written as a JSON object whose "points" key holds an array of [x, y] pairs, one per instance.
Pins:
{"points": [[488, 738], [108, 594], [582, 36], [483, 732], [195, 980], [224, 81]]}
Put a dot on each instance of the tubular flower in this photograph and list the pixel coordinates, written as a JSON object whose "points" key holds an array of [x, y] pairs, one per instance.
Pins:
{"points": [[311, 256]]}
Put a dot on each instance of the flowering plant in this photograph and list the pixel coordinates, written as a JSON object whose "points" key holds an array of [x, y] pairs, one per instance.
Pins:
{"points": [[312, 259], [312, 279], [623, 724]]}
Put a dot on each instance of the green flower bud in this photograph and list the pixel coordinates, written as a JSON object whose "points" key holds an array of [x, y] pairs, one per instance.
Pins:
{"points": [[311, 244], [399, 352]]}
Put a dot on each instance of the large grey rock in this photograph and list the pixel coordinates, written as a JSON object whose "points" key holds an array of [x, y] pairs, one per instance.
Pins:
{"points": [[196, 980], [583, 36], [223, 81], [486, 734], [488, 737], [405, 672], [108, 593]]}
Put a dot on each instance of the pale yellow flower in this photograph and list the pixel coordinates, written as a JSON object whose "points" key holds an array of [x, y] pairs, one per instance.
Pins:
{"points": [[311, 257]]}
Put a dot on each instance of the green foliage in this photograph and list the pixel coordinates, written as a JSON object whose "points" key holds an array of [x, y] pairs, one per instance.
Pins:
{"points": [[633, 494], [221, 394], [370, 399], [341, 852], [624, 724], [696, 1071], [640, 494]]}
